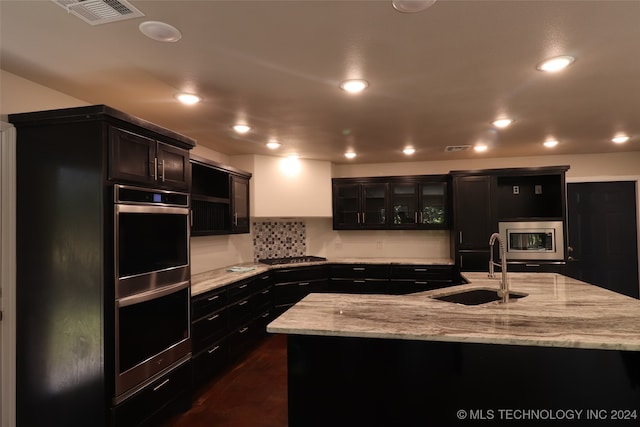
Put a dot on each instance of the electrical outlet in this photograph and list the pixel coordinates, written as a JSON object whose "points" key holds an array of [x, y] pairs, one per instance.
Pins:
{"points": [[516, 189], [538, 189], [378, 244]]}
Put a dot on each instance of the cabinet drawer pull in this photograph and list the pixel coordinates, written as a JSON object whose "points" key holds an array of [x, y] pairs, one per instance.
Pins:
{"points": [[304, 284], [420, 283], [241, 303], [265, 315], [213, 350], [358, 268], [243, 286], [532, 265], [162, 384], [420, 269], [214, 317], [266, 291], [359, 281], [243, 330], [213, 298], [265, 277]]}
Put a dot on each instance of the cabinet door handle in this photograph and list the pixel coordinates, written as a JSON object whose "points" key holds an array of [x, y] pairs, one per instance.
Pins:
{"points": [[214, 349], [154, 172], [214, 317], [213, 298], [235, 219], [265, 292], [243, 330], [241, 303], [460, 236], [162, 163], [162, 384], [358, 214], [265, 315], [415, 217]]}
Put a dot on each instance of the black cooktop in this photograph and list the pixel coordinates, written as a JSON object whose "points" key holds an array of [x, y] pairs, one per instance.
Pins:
{"points": [[291, 260]]}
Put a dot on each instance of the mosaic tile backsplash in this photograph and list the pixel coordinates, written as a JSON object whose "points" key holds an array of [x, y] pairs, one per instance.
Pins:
{"points": [[279, 239]]}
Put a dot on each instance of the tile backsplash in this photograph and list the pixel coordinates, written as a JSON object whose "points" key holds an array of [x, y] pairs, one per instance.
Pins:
{"points": [[279, 239]]}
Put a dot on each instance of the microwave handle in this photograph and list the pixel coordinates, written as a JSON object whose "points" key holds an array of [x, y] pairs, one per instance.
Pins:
{"points": [[153, 294]]}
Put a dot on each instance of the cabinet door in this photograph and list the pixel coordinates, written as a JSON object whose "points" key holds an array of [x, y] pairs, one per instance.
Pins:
{"points": [[173, 167], [346, 206], [432, 211], [374, 205], [472, 197], [240, 204], [404, 202], [132, 157]]}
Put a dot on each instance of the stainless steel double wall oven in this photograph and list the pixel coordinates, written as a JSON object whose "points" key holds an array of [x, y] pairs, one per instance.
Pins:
{"points": [[152, 292]]}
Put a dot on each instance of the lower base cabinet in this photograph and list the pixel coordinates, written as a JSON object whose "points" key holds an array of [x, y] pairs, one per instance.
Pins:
{"points": [[168, 395]]}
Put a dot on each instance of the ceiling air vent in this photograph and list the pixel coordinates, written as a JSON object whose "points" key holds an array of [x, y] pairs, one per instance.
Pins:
{"points": [[454, 148], [98, 12]]}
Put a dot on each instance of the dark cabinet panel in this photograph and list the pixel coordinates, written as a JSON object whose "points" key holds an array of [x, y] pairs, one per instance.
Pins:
{"points": [[139, 159], [403, 202], [406, 279], [220, 199], [472, 211]]}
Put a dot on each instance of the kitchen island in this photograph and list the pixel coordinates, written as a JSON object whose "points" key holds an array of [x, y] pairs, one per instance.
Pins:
{"points": [[568, 353]]}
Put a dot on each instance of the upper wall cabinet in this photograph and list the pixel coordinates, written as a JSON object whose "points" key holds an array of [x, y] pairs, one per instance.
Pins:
{"points": [[219, 198], [139, 159], [408, 202]]}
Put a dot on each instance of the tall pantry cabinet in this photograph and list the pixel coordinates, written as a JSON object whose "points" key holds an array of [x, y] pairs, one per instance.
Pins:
{"points": [[67, 164]]}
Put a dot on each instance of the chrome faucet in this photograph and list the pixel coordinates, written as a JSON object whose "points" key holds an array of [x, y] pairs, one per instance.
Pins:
{"points": [[504, 284]]}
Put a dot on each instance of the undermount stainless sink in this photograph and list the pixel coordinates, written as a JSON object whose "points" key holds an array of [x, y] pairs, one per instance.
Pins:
{"points": [[476, 296]]}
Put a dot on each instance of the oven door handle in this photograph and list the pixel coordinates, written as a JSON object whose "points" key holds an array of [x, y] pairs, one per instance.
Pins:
{"points": [[152, 209], [153, 294]]}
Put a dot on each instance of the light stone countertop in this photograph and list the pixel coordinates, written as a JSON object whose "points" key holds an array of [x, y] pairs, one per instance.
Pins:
{"points": [[213, 279], [558, 312]]}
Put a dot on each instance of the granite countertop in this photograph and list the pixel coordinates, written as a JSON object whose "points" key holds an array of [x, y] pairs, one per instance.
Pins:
{"points": [[209, 280], [558, 312]]}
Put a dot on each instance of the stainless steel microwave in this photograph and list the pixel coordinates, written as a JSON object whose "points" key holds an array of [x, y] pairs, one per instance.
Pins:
{"points": [[533, 240]]}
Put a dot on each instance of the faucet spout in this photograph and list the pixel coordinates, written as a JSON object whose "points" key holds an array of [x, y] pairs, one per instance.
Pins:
{"points": [[504, 284]]}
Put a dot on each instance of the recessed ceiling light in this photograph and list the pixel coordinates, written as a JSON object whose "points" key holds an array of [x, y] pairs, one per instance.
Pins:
{"points": [[241, 128], [502, 122], [480, 148], [550, 143], [293, 157], [273, 144], [411, 6], [555, 64], [354, 85], [350, 155], [160, 31], [188, 98], [620, 139], [409, 151]]}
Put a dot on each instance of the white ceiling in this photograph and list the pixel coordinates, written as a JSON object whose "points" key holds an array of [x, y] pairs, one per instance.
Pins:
{"points": [[437, 77]]}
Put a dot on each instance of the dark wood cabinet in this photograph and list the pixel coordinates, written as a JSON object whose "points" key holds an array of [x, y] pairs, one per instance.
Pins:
{"points": [[138, 159], [359, 279], [219, 198], [401, 202], [407, 279], [68, 162], [290, 285], [483, 198], [419, 202], [360, 204], [227, 322], [473, 221]]}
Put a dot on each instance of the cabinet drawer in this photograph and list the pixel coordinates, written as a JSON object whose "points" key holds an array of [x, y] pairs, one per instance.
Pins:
{"points": [[210, 362], [360, 271], [242, 339], [152, 402], [240, 312], [208, 302], [359, 286], [300, 274], [209, 328], [262, 299], [408, 286], [240, 290], [291, 293], [422, 272]]}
